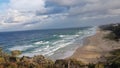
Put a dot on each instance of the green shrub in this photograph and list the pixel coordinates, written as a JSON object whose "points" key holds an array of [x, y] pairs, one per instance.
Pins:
{"points": [[2, 60], [90, 65], [99, 65]]}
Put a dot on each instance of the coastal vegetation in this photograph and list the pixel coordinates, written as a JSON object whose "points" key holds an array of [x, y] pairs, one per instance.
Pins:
{"points": [[39, 61], [114, 31]]}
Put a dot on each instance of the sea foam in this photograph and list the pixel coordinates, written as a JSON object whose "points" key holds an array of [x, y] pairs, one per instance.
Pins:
{"points": [[21, 48], [49, 47]]}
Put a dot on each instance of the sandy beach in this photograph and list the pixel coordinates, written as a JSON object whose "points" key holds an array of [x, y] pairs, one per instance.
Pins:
{"points": [[96, 47]]}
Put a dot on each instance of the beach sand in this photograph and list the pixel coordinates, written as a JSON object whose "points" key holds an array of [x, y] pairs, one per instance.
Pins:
{"points": [[96, 47]]}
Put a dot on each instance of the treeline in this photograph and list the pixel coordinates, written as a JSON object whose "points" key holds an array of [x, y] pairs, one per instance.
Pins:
{"points": [[114, 31]]}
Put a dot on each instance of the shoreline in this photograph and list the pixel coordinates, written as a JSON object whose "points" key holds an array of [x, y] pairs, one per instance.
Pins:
{"points": [[84, 53], [69, 50], [94, 48], [81, 47]]}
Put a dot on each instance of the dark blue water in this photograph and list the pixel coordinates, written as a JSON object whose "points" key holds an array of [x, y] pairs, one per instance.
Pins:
{"points": [[44, 42]]}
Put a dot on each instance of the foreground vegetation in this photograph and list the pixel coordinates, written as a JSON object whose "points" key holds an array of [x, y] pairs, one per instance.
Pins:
{"points": [[11, 61]]}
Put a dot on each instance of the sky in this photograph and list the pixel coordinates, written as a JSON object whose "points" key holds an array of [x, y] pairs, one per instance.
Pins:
{"points": [[17, 15]]}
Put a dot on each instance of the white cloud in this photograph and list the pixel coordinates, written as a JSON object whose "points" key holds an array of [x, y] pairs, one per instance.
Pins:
{"points": [[114, 11], [28, 5], [22, 14]]}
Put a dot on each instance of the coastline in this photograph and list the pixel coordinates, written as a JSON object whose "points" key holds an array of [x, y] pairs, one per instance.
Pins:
{"points": [[95, 48], [97, 51], [69, 50]]}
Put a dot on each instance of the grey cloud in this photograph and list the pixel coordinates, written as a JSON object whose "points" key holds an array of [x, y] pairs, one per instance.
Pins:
{"points": [[34, 14]]}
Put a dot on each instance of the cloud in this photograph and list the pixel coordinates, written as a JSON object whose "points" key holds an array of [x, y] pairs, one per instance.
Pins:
{"points": [[27, 5], [44, 14], [66, 2], [114, 11]]}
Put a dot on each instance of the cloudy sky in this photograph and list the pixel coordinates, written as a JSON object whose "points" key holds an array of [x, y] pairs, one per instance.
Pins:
{"points": [[44, 14]]}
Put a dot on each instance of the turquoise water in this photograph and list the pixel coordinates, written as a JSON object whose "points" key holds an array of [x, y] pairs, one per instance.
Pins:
{"points": [[56, 43]]}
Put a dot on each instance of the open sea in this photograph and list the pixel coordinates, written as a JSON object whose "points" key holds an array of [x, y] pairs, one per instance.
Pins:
{"points": [[52, 43]]}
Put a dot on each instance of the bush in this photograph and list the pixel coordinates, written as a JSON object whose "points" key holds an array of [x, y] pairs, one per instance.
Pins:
{"points": [[114, 60], [111, 36], [99, 65], [91, 65], [2, 60], [16, 53]]}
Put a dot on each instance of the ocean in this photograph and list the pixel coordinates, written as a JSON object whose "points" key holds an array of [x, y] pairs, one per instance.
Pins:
{"points": [[52, 43]]}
